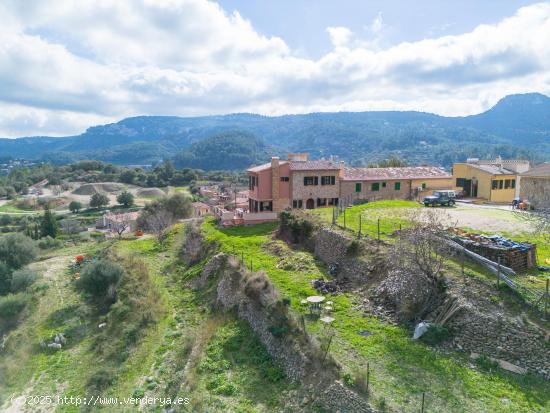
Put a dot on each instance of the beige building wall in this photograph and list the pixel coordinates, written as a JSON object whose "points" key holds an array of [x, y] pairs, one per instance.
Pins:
{"points": [[485, 181], [349, 191]]}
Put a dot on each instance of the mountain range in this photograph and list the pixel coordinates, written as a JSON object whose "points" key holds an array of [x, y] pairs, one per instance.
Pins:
{"points": [[517, 126]]}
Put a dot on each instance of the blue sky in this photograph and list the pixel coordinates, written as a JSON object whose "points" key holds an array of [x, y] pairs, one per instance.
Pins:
{"points": [[303, 23], [67, 65]]}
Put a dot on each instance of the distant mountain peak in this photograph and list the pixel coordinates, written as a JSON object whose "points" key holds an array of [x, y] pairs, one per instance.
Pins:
{"points": [[523, 99]]}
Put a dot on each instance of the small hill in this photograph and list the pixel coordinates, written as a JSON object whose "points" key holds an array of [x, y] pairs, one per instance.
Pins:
{"points": [[228, 151], [90, 189], [150, 193]]}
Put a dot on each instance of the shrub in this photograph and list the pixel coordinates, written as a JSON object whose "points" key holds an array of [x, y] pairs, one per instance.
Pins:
{"points": [[75, 206], [436, 334], [49, 243], [100, 279], [11, 307], [17, 250], [101, 379], [5, 278], [98, 200], [22, 279], [486, 363], [125, 198], [353, 248]]}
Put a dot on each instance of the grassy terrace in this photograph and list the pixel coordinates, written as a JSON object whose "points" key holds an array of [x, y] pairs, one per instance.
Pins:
{"points": [[392, 215], [401, 369]]}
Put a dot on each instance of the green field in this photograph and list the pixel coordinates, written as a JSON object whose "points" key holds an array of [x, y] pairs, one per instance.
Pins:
{"points": [[401, 369]]}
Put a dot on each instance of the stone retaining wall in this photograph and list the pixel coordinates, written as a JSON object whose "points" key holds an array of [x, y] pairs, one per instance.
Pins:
{"points": [[512, 340]]}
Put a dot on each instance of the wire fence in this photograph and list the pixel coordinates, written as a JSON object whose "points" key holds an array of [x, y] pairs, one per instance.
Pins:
{"points": [[364, 225], [422, 398]]}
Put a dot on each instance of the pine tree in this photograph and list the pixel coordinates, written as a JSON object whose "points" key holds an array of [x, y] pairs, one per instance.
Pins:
{"points": [[48, 225]]}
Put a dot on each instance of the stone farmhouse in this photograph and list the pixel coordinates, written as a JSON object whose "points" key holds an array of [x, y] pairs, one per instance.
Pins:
{"points": [[300, 183], [535, 186]]}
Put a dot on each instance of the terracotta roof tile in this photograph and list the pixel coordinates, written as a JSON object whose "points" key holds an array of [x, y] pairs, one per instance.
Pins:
{"points": [[407, 172], [539, 171], [319, 165]]}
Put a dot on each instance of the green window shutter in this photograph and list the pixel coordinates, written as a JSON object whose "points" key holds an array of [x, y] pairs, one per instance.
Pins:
{"points": [[397, 186], [358, 187], [375, 186]]}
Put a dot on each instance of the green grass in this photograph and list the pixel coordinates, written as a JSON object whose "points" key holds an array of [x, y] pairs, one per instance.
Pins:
{"points": [[392, 216], [401, 369], [10, 208]]}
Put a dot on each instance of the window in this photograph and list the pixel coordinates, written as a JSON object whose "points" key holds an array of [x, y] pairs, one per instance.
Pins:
{"points": [[311, 180], [506, 183], [494, 184], [358, 187], [460, 182], [297, 203], [423, 185], [375, 186], [332, 201], [252, 182], [285, 179], [383, 184], [397, 186], [328, 180], [500, 184], [321, 202], [513, 183]]}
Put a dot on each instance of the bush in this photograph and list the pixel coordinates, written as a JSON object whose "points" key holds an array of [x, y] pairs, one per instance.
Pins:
{"points": [[99, 200], [125, 198], [17, 250], [49, 243], [22, 279], [100, 279], [5, 278], [75, 206], [436, 334], [11, 307]]}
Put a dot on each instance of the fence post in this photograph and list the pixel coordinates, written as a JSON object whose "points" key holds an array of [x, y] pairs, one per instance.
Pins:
{"points": [[546, 298], [344, 219], [462, 256], [250, 263], [242, 258], [334, 216], [359, 233], [328, 347], [368, 376], [498, 274], [378, 229], [423, 396]]}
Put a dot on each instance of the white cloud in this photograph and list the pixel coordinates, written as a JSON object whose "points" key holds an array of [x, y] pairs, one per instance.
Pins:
{"points": [[339, 36], [67, 65], [377, 24]]}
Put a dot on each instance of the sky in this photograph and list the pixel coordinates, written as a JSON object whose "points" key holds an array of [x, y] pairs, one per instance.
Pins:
{"points": [[68, 65]]}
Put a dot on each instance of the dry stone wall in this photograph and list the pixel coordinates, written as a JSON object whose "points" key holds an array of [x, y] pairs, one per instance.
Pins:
{"points": [[513, 340]]}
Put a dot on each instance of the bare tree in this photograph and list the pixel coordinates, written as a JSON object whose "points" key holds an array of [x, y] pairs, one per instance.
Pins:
{"points": [[71, 227], [159, 222], [121, 223], [422, 246], [539, 220]]}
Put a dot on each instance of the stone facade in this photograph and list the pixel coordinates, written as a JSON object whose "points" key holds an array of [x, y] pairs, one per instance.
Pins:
{"points": [[536, 190], [501, 337], [313, 192]]}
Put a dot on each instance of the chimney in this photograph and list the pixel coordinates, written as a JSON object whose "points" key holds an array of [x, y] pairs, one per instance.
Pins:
{"points": [[342, 166], [275, 181]]}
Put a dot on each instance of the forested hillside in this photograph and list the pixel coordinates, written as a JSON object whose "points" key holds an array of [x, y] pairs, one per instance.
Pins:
{"points": [[517, 126]]}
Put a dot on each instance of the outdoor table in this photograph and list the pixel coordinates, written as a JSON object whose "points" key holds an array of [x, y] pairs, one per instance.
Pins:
{"points": [[315, 301]]}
